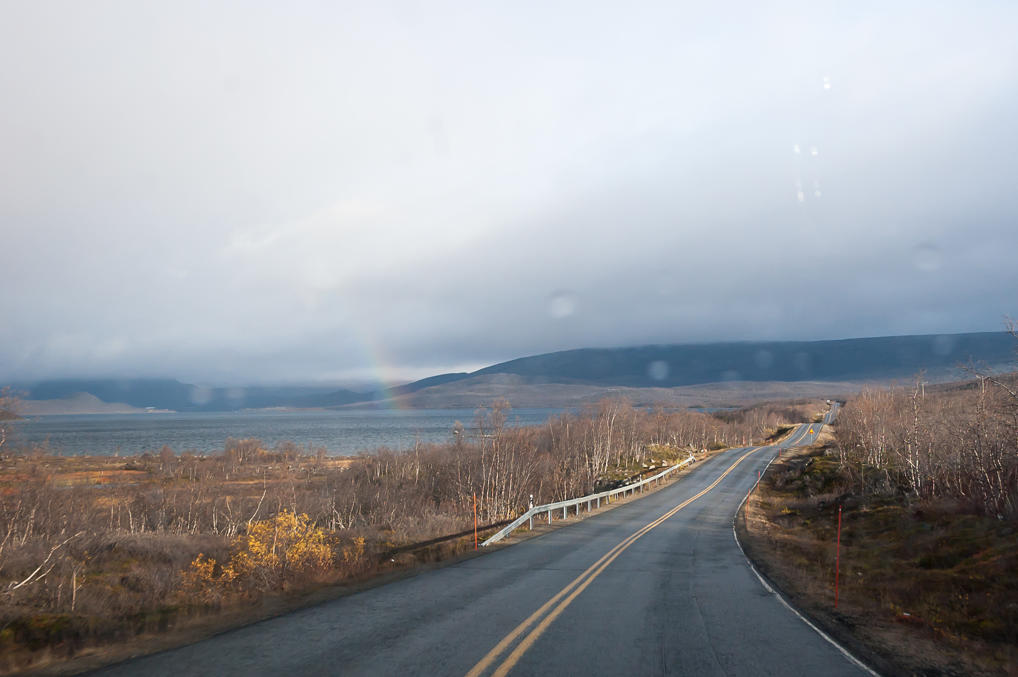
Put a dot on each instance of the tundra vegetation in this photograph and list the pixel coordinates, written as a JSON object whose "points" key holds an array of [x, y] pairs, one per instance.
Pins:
{"points": [[97, 550], [8, 412], [927, 481]]}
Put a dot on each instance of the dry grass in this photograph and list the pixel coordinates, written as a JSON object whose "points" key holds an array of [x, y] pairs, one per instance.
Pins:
{"points": [[926, 587], [96, 551]]}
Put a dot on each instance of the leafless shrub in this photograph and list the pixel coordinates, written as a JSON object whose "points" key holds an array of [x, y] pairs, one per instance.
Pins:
{"points": [[115, 542], [958, 442]]}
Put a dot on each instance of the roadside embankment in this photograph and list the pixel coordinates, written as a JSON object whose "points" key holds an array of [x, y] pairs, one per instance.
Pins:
{"points": [[925, 586]]}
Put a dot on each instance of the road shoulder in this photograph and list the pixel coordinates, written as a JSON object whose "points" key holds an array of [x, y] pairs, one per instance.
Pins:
{"points": [[791, 541]]}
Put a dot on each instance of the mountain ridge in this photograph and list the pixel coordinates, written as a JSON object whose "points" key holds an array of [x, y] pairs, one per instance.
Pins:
{"points": [[592, 372]]}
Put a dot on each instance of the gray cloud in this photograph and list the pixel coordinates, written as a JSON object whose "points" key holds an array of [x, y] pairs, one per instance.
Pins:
{"points": [[226, 193]]}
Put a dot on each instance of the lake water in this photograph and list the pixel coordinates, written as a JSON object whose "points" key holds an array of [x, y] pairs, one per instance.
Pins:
{"points": [[339, 432]]}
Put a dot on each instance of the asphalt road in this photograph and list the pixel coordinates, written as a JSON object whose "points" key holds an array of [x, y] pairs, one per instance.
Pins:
{"points": [[627, 598]]}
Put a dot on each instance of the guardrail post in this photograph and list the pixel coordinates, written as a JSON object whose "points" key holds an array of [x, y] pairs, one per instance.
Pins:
{"points": [[531, 522], [565, 508], [549, 518], [598, 502]]}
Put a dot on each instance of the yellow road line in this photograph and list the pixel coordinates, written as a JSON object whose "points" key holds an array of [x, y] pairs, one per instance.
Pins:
{"points": [[578, 585]]}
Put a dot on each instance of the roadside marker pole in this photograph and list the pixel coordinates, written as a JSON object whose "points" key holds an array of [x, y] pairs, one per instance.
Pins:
{"points": [[475, 520], [837, 560]]}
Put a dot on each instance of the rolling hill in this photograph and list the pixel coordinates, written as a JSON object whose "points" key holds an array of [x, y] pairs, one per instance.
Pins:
{"points": [[674, 374]]}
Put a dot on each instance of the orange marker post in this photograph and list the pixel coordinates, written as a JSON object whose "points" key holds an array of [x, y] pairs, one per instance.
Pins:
{"points": [[837, 560]]}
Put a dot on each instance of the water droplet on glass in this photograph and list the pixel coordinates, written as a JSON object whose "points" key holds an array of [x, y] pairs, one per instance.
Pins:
{"points": [[801, 195], [730, 375], [764, 358], [827, 82], [803, 362], [561, 304], [816, 193], [667, 284], [943, 345], [926, 257], [796, 149], [200, 395], [658, 370], [813, 151]]}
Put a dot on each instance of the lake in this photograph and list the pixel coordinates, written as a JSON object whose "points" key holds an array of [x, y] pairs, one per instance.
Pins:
{"points": [[339, 432]]}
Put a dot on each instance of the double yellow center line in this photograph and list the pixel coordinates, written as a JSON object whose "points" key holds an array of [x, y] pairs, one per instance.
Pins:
{"points": [[551, 609]]}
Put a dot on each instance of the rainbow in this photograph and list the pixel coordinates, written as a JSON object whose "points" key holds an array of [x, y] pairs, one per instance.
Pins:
{"points": [[374, 355]]}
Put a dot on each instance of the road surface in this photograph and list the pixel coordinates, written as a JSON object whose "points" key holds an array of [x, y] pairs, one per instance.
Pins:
{"points": [[623, 592]]}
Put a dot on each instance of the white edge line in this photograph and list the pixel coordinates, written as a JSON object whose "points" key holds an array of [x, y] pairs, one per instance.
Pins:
{"points": [[858, 663]]}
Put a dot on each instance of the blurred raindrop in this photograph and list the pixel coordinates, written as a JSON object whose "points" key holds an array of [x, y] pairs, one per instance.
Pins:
{"points": [[943, 345], [796, 149], [236, 396], [803, 362], [926, 257], [658, 370], [764, 359], [801, 195], [200, 395], [813, 151], [827, 82], [667, 284], [730, 375], [562, 304]]}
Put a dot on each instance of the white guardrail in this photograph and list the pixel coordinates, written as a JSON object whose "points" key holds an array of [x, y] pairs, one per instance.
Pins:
{"points": [[591, 500]]}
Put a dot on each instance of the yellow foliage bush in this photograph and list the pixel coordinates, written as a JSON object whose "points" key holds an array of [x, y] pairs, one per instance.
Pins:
{"points": [[285, 545], [272, 552], [206, 579], [354, 554]]}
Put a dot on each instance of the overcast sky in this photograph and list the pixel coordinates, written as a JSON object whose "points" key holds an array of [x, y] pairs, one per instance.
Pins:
{"points": [[240, 193]]}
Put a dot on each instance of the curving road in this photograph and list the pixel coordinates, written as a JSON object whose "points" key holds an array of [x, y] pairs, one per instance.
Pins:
{"points": [[645, 588]]}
